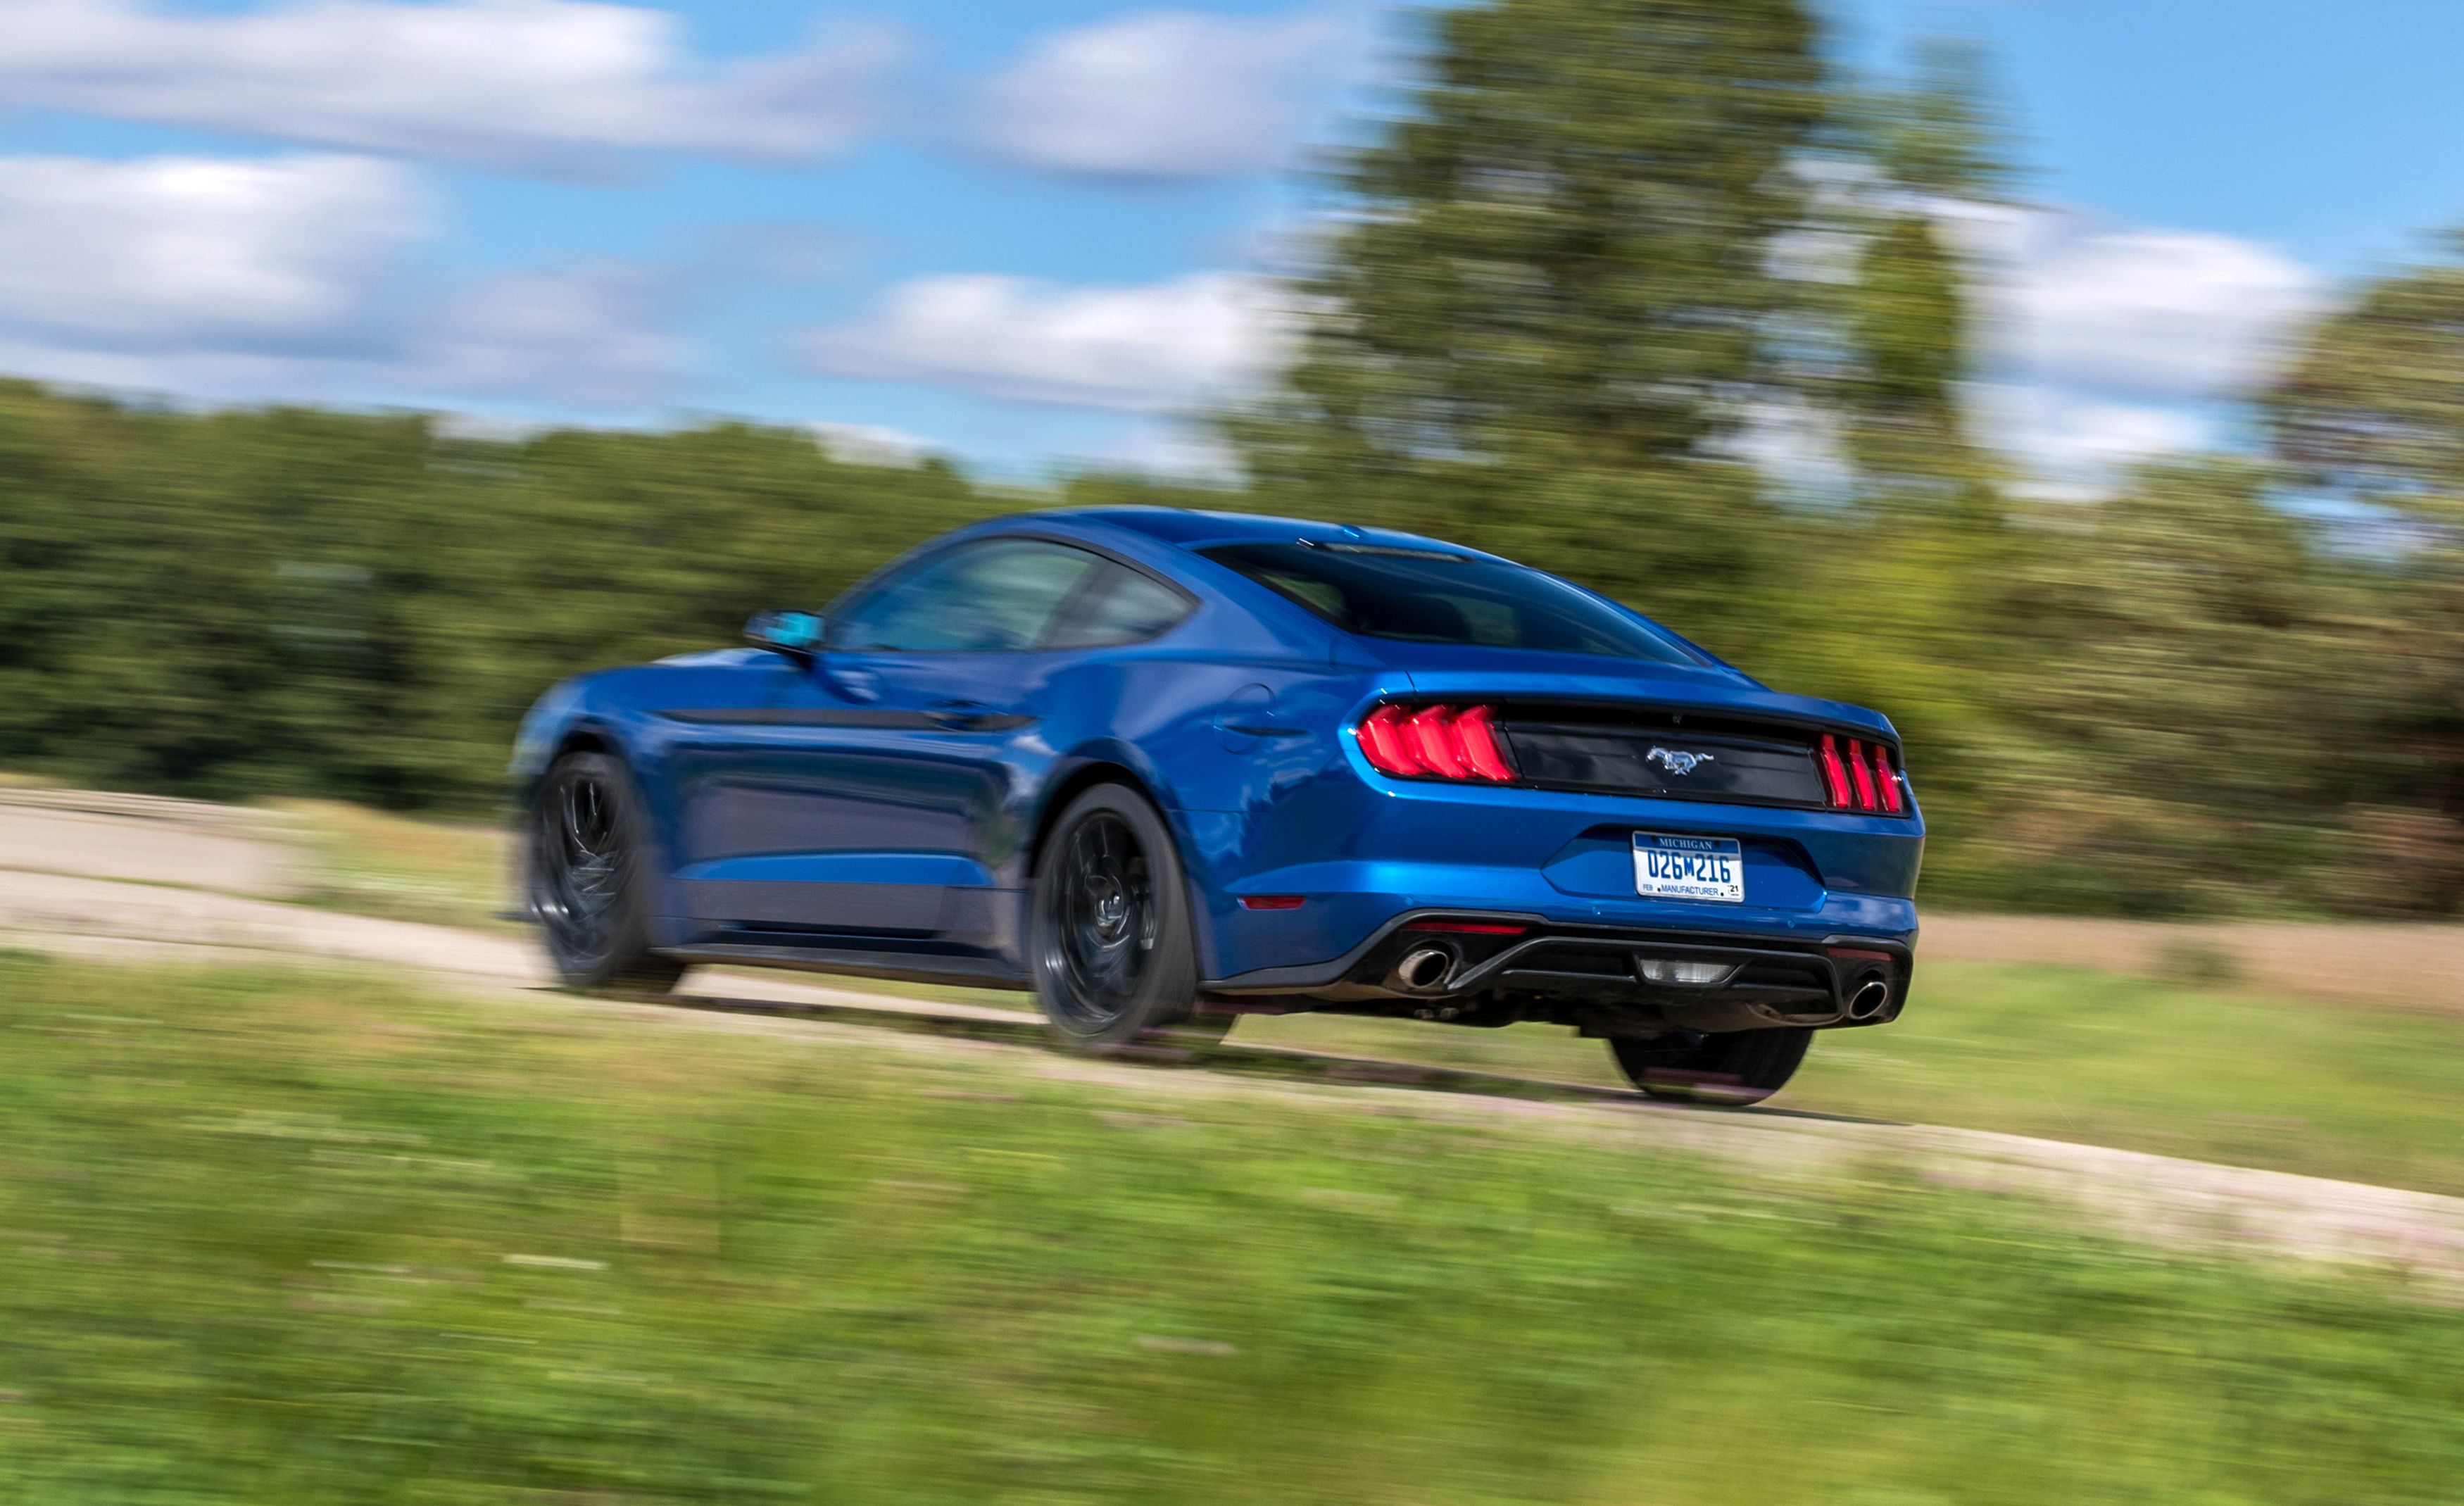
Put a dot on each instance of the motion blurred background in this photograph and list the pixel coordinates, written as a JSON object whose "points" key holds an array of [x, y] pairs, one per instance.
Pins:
{"points": [[2079, 382]]}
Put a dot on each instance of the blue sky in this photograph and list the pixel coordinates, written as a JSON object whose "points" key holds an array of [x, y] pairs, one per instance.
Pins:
{"points": [[1027, 233]]}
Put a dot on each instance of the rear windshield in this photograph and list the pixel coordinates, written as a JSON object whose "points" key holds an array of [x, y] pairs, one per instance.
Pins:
{"points": [[1424, 596]]}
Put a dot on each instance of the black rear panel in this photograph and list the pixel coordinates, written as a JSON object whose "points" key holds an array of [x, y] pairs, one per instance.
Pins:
{"points": [[1663, 755]]}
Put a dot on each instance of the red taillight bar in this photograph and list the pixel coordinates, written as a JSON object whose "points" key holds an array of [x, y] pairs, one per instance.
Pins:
{"points": [[1435, 741], [1835, 777], [1475, 729], [1863, 776], [1886, 779], [1385, 744]]}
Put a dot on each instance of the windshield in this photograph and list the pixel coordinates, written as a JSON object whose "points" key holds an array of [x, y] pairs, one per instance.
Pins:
{"points": [[1427, 596]]}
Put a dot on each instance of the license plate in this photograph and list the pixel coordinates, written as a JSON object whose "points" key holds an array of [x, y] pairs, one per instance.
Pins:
{"points": [[1690, 867]]}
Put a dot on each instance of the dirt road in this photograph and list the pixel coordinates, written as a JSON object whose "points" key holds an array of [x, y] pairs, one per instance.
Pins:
{"points": [[55, 895], [2411, 967]]}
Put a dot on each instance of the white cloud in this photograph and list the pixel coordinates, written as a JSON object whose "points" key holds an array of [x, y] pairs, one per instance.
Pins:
{"points": [[285, 277], [167, 252], [872, 444], [2107, 347], [2155, 313], [1164, 94], [1141, 349], [2075, 447], [597, 334], [557, 84]]}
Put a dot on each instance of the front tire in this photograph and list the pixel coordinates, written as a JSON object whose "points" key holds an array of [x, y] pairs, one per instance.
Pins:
{"points": [[1734, 1069], [588, 876], [1110, 944]]}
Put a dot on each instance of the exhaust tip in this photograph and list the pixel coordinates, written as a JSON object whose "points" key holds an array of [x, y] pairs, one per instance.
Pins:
{"points": [[1871, 998], [1423, 969]]}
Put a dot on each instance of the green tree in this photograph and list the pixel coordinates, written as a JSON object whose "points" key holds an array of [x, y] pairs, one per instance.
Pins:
{"points": [[2371, 410], [288, 600], [1552, 296], [1923, 151], [2159, 742], [2373, 405]]}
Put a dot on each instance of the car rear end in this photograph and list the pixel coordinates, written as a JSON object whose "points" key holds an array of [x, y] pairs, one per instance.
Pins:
{"points": [[1624, 845]]}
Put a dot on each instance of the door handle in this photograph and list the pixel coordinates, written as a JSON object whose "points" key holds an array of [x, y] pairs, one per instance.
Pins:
{"points": [[973, 716]]}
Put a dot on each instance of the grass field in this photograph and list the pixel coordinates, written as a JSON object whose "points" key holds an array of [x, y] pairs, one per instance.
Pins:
{"points": [[2071, 1054], [282, 1238], [370, 862], [2204, 1069]]}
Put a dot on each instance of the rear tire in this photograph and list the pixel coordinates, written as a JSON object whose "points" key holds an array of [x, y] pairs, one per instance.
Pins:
{"points": [[1110, 942], [1734, 1069], [587, 872]]}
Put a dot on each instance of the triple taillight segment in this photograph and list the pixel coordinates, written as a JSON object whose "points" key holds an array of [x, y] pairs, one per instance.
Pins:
{"points": [[1856, 775], [1440, 742], [1461, 742]]}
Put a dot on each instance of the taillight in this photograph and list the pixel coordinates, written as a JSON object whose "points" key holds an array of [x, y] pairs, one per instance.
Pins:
{"points": [[1867, 800], [1858, 775], [1834, 777], [1385, 744], [1435, 742], [1888, 781], [1476, 729]]}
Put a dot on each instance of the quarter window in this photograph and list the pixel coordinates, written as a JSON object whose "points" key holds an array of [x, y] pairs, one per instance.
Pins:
{"points": [[992, 597], [1121, 606]]}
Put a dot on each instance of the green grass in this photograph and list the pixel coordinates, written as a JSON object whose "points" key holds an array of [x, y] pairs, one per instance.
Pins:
{"points": [[371, 862], [282, 1238], [2069, 1053], [2187, 1066]]}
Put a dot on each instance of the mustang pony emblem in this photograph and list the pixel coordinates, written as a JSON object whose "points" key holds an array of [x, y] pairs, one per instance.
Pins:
{"points": [[1676, 762]]}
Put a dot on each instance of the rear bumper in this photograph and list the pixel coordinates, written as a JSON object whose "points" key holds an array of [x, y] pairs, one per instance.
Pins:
{"points": [[1361, 857], [1603, 972]]}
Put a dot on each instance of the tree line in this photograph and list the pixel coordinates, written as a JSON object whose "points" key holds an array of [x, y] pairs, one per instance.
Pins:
{"points": [[1600, 238]]}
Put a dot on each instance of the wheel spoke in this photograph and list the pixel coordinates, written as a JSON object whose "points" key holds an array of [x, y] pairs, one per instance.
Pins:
{"points": [[1101, 921], [580, 862]]}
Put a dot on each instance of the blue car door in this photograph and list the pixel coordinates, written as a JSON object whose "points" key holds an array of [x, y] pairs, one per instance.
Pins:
{"points": [[863, 791]]}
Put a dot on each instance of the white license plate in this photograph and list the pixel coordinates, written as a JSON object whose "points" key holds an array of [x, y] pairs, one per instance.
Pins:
{"points": [[1690, 867]]}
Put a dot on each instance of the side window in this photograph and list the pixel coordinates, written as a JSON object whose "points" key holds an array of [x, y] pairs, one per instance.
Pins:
{"points": [[981, 598], [1121, 606]]}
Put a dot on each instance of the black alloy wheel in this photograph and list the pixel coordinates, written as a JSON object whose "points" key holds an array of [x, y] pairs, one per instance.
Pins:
{"points": [[1734, 1069], [585, 877], [1111, 946]]}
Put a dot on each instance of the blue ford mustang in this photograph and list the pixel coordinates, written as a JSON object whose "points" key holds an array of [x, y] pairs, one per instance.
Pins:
{"points": [[1165, 767]]}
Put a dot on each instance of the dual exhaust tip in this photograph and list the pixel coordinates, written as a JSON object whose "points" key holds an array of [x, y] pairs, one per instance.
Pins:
{"points": [[1425, 969]]}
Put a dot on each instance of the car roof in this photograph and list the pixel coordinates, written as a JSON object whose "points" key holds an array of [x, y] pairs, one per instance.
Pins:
{"points": [[1194, 528]]}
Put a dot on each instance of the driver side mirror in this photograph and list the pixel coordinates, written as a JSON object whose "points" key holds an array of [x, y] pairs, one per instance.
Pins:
{"points": [[797, 634]]}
